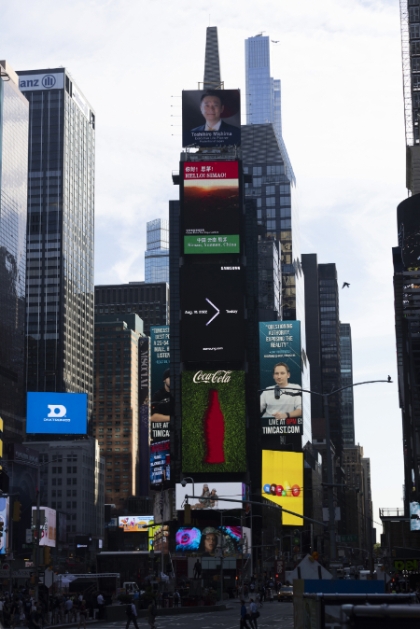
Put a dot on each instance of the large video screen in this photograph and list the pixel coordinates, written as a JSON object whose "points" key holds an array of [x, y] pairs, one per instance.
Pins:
{"points": [[213, 421], [208, 494], [47, 525], [210, 541], [211, 118], [135, 523], [212, 313], [211, 211], [282, 482], [280, 383], [57, 413]]}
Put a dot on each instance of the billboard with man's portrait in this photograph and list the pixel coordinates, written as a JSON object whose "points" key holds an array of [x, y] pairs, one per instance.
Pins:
{"points": [[211, 118], [280, 383]]}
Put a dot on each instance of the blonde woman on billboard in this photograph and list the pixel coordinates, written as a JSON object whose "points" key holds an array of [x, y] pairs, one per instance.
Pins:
{"points": [[277, 401]]}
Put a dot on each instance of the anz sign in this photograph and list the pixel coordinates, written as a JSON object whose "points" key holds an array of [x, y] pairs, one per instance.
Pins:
{"points": [[41, 82]]}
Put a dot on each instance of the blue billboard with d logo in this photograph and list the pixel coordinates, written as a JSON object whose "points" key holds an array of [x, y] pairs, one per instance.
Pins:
{"points": [[57, 413]]}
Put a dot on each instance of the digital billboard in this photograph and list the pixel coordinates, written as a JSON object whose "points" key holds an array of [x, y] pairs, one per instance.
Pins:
{"points": [[211, 118], [282, 482], [280, 383], [212, 313], [135, 523], [160, 462], [161, 402], [47, 527], [208, 495], [4, 518], [211, 210], [213, 421], [414, 516], [56, 413], [209, 541]]}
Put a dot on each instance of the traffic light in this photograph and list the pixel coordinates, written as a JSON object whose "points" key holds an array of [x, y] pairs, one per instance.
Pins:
{"points": [[17, 511], [1, 528]]}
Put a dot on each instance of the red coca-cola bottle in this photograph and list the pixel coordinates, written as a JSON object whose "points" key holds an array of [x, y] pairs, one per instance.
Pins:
{"points": [[214, 430]]}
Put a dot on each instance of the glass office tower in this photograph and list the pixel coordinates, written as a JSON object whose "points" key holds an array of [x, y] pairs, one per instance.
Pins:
{"points": [[59, 308], [156, 258], [14, 118], [346, 368], [263, 93]]}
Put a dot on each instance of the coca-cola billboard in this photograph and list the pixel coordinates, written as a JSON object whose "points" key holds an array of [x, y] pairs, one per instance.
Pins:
{"points": [[213, 421]]}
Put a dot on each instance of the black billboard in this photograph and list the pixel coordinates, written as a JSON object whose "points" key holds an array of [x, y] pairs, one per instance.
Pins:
{"points": [[212, 313]]}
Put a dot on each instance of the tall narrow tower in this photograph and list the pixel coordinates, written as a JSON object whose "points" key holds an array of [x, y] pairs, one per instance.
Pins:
{"points": [[61, 184], [212, 78]]}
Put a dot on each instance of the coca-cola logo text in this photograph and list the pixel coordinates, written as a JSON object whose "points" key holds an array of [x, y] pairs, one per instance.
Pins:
{"points": [[220, 376]]}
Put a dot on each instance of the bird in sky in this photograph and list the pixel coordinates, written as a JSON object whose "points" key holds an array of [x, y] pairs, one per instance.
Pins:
{"points": [[389, 379], [275, 41], [345, 284]]}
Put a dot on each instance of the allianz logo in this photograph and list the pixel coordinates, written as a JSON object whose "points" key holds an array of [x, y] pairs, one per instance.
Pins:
{"points": [[48, 81]]}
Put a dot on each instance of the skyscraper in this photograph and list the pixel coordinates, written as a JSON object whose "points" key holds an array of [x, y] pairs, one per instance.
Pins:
{"points": [[14, 119], [263, 93], [61, 203], [347, 400], [156, 257]]}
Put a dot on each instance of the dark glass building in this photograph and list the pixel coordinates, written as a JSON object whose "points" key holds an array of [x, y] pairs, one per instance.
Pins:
{"points": [[14, 120], [149, 300], [61, 203]]}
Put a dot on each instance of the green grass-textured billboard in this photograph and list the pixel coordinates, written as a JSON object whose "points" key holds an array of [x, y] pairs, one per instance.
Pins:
{"points": [[213, 421]]}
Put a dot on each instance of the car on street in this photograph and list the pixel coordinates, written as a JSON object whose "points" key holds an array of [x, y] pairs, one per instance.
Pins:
{"points": [[285, 594]]}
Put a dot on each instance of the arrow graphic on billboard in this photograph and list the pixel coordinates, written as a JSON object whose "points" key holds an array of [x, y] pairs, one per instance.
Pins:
{"points": [[215, 315]]}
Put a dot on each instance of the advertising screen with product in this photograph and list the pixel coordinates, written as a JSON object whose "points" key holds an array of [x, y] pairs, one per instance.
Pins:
{"points": [[282, 482], [280, 383], [56, 413], [213, 421], [212, 313], [211, 209], [208, 494], [47, 527], [209, 541], [160, 462], [211, 118], [135, 523]]}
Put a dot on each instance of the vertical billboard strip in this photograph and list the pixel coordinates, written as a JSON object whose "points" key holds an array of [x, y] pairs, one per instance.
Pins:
{"points": [[211, 207], [213, 421], [160, 406], [282, 482]]}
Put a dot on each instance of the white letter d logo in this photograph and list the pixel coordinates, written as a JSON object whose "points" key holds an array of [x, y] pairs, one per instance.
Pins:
{"points": [[56, 410]]}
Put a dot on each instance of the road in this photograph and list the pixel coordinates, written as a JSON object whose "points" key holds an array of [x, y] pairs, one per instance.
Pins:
{"points": [[273, 616]]}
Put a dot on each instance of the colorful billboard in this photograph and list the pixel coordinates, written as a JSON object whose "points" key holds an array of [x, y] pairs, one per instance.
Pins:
{"points": [[213, 421], [208, 494], [159, 355], [160, 462], [282, 482], [4, 519], [135, 523], [414, 516], [56, 413], [47, 526], [280, 383], [211, 209], [210, 541], [211, 118], [212, 313]]}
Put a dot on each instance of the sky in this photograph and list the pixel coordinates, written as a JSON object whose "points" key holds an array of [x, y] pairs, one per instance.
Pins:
{"points": [[343, 123]]}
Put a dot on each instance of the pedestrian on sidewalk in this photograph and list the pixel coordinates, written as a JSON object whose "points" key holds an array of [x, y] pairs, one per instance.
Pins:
{"points": [[131, 615], [254, 613], [152, 614], [82, 613], [244, 616]]}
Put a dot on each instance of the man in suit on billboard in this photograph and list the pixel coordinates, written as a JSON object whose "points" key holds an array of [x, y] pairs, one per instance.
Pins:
{"points": [[212, 107]]}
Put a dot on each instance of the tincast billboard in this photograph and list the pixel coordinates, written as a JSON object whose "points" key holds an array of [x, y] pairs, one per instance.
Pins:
{"points": [[212, 313], [57, 413], [282, 482], [211, 118], [280, 383], [213, 421], [211, 211]]}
